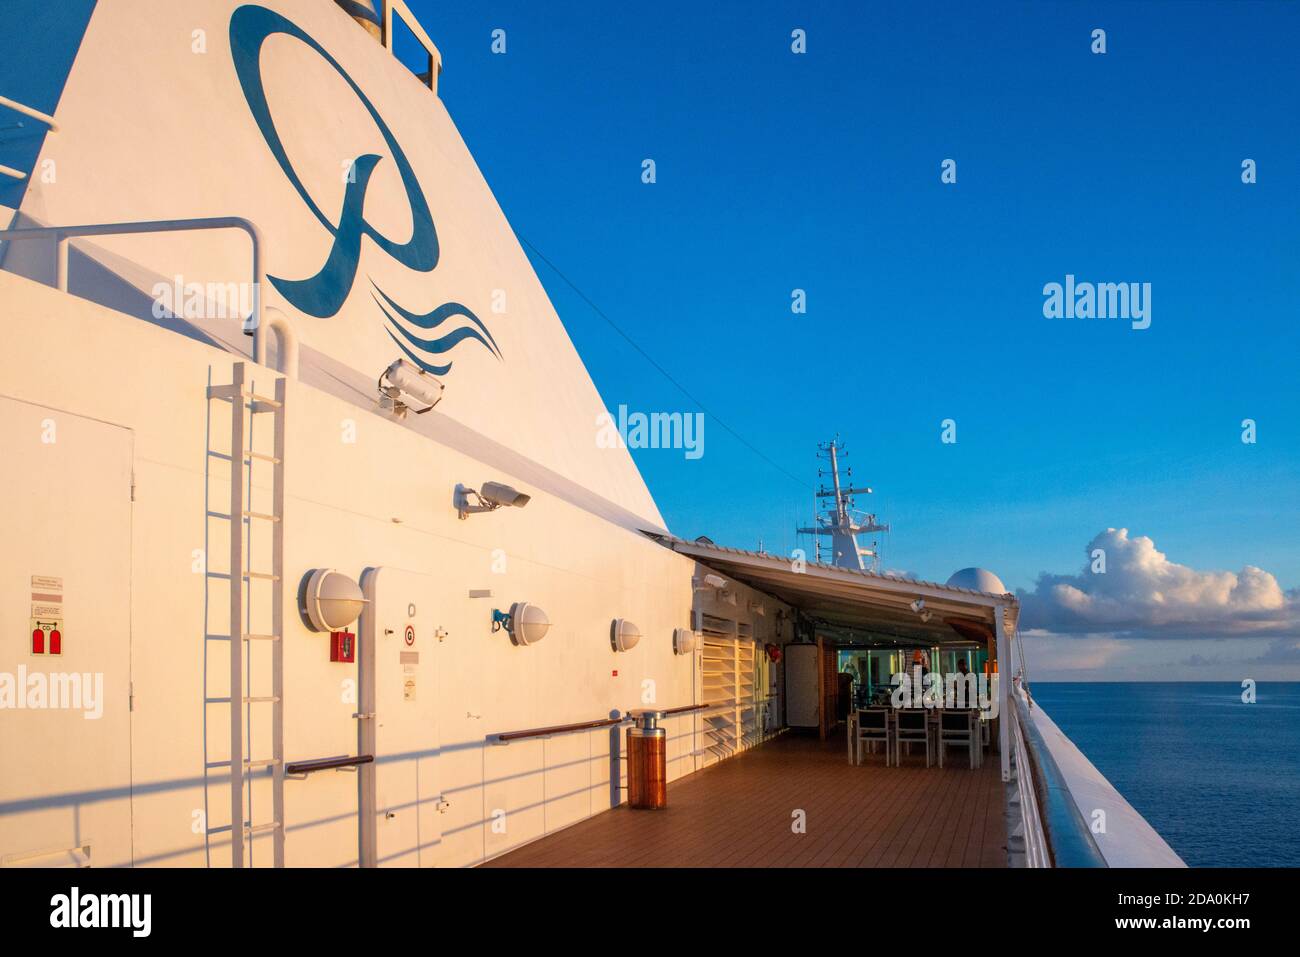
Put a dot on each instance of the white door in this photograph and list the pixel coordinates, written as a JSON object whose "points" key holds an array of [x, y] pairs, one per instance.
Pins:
{"points": [[400, 790], [802, 689], [65, 639]]}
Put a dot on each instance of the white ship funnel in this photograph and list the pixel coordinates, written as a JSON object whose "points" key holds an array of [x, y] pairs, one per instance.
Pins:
{"points": [[381, 240]]}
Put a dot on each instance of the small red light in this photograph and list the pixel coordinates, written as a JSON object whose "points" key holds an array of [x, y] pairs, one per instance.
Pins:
{"points": [[615, 675]]}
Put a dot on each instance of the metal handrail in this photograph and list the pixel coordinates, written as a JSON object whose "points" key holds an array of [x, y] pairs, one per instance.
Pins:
{"points": [[327, 764], [508, 736], [685, 708], [1068, 836], [29, 111], [399, 9], [61, 235], [1037, 852]]}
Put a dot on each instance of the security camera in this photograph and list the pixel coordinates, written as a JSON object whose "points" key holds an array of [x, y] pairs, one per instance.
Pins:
{"points": [[405, 380], [918, 605], [489, 498], [709, 581], [499, 494]]}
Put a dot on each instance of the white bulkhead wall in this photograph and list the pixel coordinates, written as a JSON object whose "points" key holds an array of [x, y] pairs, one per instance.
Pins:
{"points": [[383, 500]]}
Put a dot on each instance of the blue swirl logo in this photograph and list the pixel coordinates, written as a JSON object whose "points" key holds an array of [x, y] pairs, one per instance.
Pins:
{"points": [[323, 294]]}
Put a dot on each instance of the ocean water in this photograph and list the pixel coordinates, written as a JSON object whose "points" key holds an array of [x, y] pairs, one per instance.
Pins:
{"points": [[1219, 779]]}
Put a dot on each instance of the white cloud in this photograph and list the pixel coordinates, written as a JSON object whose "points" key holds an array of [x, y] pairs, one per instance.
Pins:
{"points": [[900, 573], [1142, 594], [1105, 657], [1047, 654]]}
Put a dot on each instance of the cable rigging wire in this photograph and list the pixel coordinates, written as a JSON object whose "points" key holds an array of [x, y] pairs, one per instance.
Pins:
{"points": [[660, 369]]}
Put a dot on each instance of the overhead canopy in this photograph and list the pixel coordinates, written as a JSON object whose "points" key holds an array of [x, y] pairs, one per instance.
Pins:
{"points": [[857, 605]]}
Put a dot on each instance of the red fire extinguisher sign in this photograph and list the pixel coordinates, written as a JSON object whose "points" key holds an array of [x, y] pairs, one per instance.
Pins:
{"points": [[343, 646]]}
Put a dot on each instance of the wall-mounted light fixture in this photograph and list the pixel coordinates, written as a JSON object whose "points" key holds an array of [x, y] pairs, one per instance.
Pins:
{"points": [[758, 608], [623, 635], [918, 606], [331, 600], [492, 496], [526, 623], [683, 641], [403, 381]]}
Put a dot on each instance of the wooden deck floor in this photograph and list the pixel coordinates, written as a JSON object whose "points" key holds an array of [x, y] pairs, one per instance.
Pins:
{"points": [[739, 813]]}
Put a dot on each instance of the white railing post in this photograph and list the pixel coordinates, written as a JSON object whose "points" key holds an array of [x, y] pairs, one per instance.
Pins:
{"points": [[1004, 663]]}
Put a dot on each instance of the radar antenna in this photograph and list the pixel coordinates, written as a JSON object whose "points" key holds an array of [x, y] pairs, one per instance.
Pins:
{"points": [[838, 519]]}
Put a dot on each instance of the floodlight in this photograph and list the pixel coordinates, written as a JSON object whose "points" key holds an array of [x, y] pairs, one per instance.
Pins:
{"points": [[405, 380]]}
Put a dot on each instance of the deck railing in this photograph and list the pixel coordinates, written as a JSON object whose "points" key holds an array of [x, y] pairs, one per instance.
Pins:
{"points": [[1036, 851], [1051, 815], [254, 323], [31, 113]]}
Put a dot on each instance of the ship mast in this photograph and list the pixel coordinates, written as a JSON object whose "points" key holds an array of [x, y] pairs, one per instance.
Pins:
{"points": [[837, 519]]}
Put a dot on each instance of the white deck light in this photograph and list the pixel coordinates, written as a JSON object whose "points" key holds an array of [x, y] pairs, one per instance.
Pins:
{"points": [[332, 600], [623, 635], [526, 624]]}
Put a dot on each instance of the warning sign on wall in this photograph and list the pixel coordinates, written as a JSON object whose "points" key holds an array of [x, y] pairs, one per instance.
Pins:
{"points": [[47, 636], [47, 615], [47, 583]]}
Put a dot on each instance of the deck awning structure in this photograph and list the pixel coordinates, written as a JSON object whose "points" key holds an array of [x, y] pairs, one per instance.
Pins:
{"points": [[856, 605], [846, 602]]}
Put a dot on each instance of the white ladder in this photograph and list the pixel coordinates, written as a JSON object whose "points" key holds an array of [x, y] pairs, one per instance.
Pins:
{"points": [[242, 399]]}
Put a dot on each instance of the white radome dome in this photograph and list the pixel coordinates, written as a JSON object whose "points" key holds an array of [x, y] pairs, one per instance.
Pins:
{"points": [[977, 579]]}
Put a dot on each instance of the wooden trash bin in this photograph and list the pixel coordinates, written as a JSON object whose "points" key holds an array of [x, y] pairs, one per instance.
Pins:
{"points": [[647, 761]]}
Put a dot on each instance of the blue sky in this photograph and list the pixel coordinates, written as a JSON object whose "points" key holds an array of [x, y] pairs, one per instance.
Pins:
{"points": [[821, 171]]}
